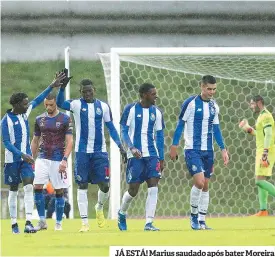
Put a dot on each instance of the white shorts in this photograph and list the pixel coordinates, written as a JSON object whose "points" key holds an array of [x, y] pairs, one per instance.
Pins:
{"points": [[46, 170]]}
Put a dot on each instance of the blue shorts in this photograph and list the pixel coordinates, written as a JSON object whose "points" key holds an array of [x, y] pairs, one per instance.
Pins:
{"points": [[199, 161], [15, 172], [91, 168], [140, 170]]}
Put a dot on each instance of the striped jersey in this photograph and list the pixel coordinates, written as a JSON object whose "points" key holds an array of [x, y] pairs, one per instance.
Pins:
{"points": [[15, 130], [199, 117], [52, 132], [142, 123], [89, 124]]}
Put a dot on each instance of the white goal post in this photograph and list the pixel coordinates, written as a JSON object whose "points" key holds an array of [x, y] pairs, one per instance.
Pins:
{"points": [[240, 70]]}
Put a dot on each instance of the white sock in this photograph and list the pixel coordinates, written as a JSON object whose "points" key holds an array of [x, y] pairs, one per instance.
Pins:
{"points": [[101, 199], [203, 205], [194, 199], [126, 200], [82, 201], [12, 202], [151, 204], [29, 201]]}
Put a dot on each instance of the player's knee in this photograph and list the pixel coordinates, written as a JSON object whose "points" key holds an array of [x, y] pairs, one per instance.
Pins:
{"points": [[38, 187], [83, 186], [38, 190], [104, 187], [27, 181], [14, 188], [133, 191], [199, 183]]}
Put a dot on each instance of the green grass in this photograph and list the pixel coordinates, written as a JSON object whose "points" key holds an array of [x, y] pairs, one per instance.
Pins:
{"points": [[245, 231]]}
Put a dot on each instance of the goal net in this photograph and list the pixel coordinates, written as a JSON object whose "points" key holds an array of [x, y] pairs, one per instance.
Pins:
{"points": [[176, 72]]}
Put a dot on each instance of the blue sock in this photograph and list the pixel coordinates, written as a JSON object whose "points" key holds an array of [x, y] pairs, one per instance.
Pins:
{"points": [[39, 199], [59, 208]]}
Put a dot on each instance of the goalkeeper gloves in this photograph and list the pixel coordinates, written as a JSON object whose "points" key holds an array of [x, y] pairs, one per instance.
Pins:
{"points": [[66, 80], [264, 160], [246, 127]]}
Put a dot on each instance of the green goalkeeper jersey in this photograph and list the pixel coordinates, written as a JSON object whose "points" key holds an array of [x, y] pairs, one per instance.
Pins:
{"points": [[264, 120]]}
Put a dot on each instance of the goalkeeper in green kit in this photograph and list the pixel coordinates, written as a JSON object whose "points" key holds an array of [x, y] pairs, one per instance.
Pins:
{"points": [[265, 153]]}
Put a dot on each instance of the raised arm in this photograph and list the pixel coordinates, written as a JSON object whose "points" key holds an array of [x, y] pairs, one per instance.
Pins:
{"points": [[60, 100], [56, 83]]}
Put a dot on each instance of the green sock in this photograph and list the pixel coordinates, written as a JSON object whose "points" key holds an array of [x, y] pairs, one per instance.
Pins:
{"points": [[263, 195], [266, 186]]}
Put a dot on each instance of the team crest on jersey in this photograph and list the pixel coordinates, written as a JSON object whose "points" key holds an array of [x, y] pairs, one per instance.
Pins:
{"points": [[58, 124], [194, 168], [42, 122], [98, 111], [153, 117], [212, 110], [10, 179]]}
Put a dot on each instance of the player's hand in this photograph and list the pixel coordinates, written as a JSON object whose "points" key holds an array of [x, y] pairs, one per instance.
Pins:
{"points": [[66, 80], [225, 157], [57, 82], [136, 153], [63, 166], [123, 153], [245, 126], [27, 158], [173, 153], [264, 160], [161, 162]]}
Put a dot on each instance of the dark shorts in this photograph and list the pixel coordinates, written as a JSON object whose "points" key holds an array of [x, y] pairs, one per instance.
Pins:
{"points": [[199, 161], [140, 170], [91, 168], [15, 172]]}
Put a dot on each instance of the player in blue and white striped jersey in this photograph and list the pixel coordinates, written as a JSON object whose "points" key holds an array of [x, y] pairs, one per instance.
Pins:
{"points": [[142, 131], [199, 119], [91, 157], [18, 160]]}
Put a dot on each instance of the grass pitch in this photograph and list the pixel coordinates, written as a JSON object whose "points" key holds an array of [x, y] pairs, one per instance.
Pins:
{"points": [[242, 231]]}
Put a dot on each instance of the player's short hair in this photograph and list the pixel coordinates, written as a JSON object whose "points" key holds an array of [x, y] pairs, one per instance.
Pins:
{"points": [[145, 88], [51, 96], [258, 98], [208, 79], [17, 98], [86, 82]]}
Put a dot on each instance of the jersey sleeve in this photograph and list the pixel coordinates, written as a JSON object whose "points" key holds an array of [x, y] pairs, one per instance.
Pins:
{"points": [[267, 121], [37, 131], [159, 121], [186, 109], [107, 113], [126, 116], [69, 126], [216, 117]]}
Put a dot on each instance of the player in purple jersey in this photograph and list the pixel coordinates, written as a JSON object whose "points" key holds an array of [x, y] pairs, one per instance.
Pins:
{"points": [[91, 158], [18, 159], [52, 144]]}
